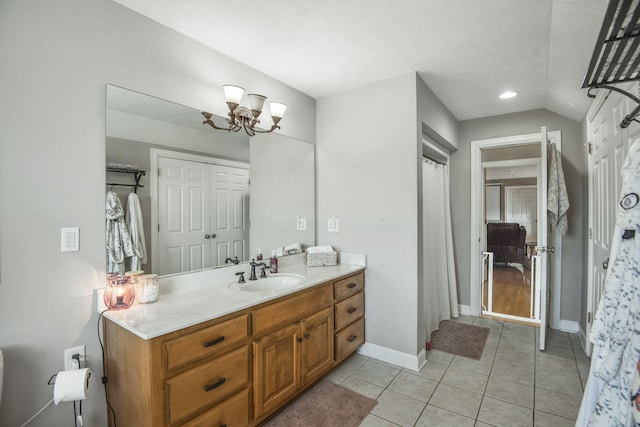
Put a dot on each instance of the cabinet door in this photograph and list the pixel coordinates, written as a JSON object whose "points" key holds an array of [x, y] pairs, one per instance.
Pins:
{"points": [[276, 369], [317, 345]]}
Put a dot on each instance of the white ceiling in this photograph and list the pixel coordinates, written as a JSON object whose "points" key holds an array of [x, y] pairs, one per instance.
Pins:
{"points": [[467, 51]]}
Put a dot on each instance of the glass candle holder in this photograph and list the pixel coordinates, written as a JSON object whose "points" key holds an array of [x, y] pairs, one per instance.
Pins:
{"points": [[149, 290], [119, 293]]}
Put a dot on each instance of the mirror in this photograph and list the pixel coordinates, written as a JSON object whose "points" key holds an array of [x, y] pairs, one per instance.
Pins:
{"points": [[214, 194]]}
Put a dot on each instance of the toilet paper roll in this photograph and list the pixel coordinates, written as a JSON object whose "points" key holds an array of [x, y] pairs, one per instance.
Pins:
{"points": [[71, 385]]}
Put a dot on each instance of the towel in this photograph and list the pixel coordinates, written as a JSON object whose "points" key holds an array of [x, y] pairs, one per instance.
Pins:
{"points": [[133, 219], [118, 239], [557, 198]]}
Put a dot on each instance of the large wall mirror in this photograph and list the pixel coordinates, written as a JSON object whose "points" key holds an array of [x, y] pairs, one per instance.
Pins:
{"points": [[204, 195]]}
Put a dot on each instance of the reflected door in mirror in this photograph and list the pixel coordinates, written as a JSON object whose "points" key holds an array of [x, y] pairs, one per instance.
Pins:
{"points": [[202, 215]]}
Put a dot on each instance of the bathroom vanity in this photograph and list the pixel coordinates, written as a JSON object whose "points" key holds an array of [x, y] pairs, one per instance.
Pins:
{"points": [[237, 362]]}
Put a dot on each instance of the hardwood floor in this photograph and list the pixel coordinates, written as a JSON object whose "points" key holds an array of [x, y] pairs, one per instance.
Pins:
{"points": [[511, 291]]}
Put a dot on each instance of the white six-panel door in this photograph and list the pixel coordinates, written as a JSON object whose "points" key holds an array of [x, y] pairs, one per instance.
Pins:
{"points": [[202, 214], [521, 206], [607, 145]]}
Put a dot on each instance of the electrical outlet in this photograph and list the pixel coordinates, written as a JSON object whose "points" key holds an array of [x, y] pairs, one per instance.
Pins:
{"points": [[70, 362]]}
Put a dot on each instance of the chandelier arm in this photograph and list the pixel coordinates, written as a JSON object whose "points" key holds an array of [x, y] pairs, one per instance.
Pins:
{"points": [[210, 122], [274, 127]]}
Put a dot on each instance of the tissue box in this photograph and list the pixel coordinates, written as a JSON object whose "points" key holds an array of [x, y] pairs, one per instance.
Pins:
{"points": [[320, 259]]}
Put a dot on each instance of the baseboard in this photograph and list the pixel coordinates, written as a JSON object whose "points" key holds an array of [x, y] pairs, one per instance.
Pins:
{"points": [[569, 326], [465, 310], [394, 357]]}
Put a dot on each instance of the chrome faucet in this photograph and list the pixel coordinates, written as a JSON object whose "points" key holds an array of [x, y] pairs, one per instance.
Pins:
{"points": [[253, 265], [235, 261]]}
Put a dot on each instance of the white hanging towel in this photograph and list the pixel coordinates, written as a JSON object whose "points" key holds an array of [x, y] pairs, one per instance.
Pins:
{"points": [[136, 230], [118, 238], [557, 198]]}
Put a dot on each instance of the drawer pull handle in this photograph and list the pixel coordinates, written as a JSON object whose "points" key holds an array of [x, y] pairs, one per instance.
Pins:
{"points": [[223, 425], [217, 384], [352, 285], [352, 310], [214, 342], [352, 338]]}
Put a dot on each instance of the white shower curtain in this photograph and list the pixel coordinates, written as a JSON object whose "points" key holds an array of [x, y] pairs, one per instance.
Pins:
{"points": [[439, 281]]}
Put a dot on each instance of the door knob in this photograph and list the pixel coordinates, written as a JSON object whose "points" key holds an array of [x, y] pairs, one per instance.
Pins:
{"points": [[605, 264], [207, 236]]}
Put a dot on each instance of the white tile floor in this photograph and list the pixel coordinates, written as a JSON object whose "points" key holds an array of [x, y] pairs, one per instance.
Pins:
{"points": [[513, 384]]}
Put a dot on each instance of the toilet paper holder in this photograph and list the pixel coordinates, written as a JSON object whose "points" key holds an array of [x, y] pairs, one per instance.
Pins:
{"points": [[52, 380]]}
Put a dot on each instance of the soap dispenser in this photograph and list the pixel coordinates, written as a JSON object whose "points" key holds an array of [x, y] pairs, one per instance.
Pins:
{"points": [[273, 262]]}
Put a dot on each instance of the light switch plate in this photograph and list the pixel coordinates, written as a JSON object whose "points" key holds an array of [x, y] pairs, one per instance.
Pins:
{"points": [[333, 225], [70, 239], [301, 224]]}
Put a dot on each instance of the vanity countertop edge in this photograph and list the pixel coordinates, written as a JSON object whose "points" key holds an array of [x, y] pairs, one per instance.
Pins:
{"points": [[202, 302]]}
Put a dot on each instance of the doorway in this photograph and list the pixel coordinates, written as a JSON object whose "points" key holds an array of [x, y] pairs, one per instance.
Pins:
{"points": [[549, 261], [510, 219]]}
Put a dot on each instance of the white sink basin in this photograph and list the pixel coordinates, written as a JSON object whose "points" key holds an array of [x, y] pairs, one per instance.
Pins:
{"points": [[273, 282]]}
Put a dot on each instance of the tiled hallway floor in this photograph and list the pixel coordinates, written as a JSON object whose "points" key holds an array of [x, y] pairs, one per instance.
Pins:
{"points": [[513, 384]]}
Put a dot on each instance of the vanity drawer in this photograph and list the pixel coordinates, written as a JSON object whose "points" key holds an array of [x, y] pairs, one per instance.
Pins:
{"points": [[190, 391], [349, 310], [348, 340], [291, 308], [180, 351], [349, 286], [233, 412]]}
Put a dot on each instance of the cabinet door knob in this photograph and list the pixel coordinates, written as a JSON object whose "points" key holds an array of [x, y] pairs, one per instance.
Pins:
{"points": [[352, 338], [306, 336], [217, 384], [213, 342], [352, 310], [300, 339]]}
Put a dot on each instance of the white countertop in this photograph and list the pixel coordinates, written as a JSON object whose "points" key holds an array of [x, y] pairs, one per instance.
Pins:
{"points": [[193, 298]]}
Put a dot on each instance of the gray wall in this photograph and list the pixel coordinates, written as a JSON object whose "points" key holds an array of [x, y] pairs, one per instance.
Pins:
{"points": [[57, 58], [575, 171], [367, 177]]}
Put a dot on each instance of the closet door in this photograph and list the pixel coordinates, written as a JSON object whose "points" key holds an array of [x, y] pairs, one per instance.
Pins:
{"points": [[607, 149], [229, 214], [183, 215]]}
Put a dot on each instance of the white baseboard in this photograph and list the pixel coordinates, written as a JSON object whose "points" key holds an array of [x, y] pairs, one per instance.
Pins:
{"points": [[394, 357], [465, 310], [569, 326]]}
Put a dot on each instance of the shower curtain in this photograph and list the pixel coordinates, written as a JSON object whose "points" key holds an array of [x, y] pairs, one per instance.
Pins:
{"points": [[439, 277]]}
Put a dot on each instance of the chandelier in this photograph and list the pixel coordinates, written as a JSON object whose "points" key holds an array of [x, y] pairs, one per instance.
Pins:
{"points": [[241, 117]]}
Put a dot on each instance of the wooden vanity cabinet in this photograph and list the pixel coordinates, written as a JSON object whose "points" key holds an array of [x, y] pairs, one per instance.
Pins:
{"points": [[168, 380], [294, 354], [237, 370], [349, 315]]}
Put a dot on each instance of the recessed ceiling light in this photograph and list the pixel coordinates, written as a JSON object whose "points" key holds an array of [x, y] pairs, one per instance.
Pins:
{"points": [[508, 94]]}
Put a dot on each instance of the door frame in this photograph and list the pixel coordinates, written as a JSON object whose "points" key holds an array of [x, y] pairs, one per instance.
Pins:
{"points": [[155, 154], [477, 208]]}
